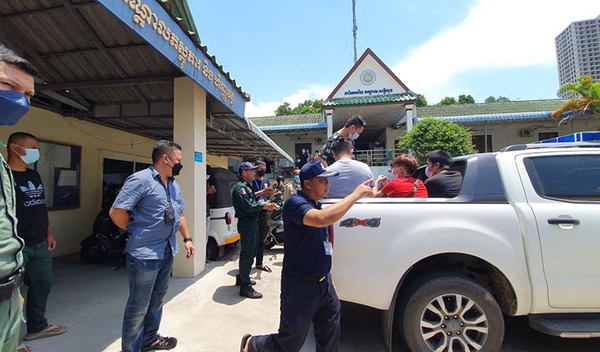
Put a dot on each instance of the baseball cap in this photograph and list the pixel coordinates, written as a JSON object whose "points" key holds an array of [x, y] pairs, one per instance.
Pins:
{"points": [[246, 166], [315, 169]]}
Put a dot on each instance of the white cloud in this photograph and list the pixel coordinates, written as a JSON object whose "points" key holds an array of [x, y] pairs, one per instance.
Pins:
{"points": [[268, 108], [495, 34]]}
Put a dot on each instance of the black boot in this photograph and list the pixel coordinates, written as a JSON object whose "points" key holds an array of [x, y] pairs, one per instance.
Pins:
{"points": [[248, 291]]}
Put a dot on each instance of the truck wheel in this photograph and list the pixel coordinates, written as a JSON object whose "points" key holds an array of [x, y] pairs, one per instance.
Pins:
{"points": [[450, 312], [212, 250]]}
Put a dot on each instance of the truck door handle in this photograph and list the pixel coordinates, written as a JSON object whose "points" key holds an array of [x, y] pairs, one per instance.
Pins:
{"points": [[559, 221]]}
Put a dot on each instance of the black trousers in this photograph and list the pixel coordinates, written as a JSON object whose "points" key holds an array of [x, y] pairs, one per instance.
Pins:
{"points": [[262, 234], [303, 303]]}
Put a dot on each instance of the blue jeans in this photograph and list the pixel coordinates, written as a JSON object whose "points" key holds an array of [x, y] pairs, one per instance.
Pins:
{"points": [[148, 284]]}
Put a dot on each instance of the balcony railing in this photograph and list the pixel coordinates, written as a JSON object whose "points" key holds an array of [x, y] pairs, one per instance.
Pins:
{"points": [[377, 157]]}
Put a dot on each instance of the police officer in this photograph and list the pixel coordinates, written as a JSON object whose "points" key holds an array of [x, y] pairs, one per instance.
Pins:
{"points": [[307, 292], [247, 210]]}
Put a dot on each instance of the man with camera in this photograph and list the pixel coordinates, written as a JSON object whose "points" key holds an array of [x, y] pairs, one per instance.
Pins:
{"points": [[150, 207]]}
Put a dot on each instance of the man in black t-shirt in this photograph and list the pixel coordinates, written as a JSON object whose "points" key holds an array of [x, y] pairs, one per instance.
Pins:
{"points": [[34, 228], [442, 182]]}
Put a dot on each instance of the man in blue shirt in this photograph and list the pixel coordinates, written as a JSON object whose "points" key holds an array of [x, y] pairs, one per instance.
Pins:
{"points": [[307, 292], [150, 207]]}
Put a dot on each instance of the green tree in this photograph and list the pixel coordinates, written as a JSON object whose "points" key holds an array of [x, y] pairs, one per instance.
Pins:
{"points": [[421, 101], [283, 109], [431, 134], [585, 99], [448, 101], [307, 107], [502, 99], [490, 100], [466, 99]]}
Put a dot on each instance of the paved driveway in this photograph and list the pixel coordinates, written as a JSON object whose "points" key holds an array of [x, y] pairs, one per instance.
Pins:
{"points": [[206, 313]]}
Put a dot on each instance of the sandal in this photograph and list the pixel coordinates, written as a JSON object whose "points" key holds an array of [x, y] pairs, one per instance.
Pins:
{"points": [[161, 343], [23, 348], [50, 330], [245, 339], [265, 268]]}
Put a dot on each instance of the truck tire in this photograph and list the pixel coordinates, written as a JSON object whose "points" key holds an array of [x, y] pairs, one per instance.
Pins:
{"points": [[450, 312], [212, 250]]}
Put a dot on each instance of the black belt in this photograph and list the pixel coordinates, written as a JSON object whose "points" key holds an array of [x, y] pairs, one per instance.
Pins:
{"points": [[303, 278], [10, 283]]}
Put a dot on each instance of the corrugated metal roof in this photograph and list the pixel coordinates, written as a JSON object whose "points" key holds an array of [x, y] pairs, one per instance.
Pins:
{"points": [[309, 126], [93, 67], [490, 108], [537, 115], [284, 120], [379, 99]]}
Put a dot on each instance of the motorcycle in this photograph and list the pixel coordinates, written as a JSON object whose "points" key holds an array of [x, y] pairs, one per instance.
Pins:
{"points": [[275, 233], [106, 241]]}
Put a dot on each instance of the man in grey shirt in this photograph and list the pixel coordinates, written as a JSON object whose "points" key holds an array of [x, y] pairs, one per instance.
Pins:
{"points": [[351, 172]]}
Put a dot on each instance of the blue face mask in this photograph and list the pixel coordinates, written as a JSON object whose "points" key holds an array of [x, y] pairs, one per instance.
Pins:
{"points": [[297, 178], [31, 156], [13, 106]]}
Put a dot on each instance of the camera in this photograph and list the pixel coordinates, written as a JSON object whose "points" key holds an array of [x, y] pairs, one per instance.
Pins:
{"points": [[170, 214]]}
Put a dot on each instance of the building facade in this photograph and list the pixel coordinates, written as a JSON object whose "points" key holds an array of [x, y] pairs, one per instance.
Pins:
{"points": [[578, 52]]}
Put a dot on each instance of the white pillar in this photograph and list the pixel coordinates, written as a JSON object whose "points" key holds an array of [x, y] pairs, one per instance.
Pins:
{"points": [[329, 120], [189, 130], [411, 113]]}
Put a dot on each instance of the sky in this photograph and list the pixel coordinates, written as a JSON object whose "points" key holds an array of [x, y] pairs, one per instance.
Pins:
{"points": [[291, 51]]}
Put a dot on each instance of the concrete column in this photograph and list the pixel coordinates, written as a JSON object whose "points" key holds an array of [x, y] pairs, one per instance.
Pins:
{"points": [[189, 130], [329, 120], [411, 112]]}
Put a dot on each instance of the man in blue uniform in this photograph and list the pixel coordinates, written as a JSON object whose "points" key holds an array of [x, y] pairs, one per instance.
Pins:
{"points": [[307, 292], [247, 210]]}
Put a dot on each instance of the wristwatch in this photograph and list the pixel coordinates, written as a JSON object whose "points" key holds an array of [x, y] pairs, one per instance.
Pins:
{"points": [[187, 239]]}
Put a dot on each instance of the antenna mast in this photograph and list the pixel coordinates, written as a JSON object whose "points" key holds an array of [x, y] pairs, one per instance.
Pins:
{"points": [[354, 27]]}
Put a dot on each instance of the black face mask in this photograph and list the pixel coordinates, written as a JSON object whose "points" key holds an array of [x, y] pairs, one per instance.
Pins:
{"points": [[176, 167], [260, 173]]}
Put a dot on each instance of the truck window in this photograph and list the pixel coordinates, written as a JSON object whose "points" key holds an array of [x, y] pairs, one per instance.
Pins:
{"points": [[565, 177]]}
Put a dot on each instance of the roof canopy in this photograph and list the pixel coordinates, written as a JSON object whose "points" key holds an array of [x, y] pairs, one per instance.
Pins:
{"points": [[109, 63]]}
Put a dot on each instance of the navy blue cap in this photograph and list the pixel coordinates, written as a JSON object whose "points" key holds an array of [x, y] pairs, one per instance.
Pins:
{"points": [[246, 166], [315, 169]]}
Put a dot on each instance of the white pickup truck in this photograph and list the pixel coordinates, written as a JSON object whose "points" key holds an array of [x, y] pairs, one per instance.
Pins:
{"points": [[522, 238]]}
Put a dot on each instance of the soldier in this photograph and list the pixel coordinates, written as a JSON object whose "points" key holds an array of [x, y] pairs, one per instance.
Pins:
{"points": [[247, 210]]}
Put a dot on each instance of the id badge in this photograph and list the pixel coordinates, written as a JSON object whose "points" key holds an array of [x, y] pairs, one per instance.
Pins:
{"points": [[328, 248]]}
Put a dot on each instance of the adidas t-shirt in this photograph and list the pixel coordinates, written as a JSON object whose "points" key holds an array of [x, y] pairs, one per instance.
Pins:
{"points": [[31, 207]]}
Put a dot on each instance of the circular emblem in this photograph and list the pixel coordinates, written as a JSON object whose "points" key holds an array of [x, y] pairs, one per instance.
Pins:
{"points": [[368, 77]]}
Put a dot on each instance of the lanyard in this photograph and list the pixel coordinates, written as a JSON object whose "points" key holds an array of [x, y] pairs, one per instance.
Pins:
{"points": [[259, 188]]}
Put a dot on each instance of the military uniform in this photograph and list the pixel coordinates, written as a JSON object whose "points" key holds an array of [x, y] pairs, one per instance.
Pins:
{"points": [[246, 210], [11, 263]]}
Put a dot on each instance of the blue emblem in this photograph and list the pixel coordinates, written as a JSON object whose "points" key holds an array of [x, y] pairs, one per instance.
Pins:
{"points": [[368, 76]]}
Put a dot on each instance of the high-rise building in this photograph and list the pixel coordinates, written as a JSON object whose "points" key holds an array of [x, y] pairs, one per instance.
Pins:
{"points": [[578, 52]]}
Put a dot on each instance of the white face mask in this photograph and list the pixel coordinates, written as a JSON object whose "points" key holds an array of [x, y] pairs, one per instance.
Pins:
{"points": [[353, 136], [31, 155]]}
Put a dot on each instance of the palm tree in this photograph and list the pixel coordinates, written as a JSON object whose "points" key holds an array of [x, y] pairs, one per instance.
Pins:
{"points": [[585, 99]]}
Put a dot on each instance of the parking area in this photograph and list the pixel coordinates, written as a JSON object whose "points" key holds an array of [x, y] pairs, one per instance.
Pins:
{"points": [[206, 313]]}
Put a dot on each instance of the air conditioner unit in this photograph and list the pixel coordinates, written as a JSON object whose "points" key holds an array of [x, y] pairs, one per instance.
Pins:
{"points": [[526, 132]]}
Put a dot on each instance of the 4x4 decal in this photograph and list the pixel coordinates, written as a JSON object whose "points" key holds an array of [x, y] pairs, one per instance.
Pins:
{"points": [[353, 222]]}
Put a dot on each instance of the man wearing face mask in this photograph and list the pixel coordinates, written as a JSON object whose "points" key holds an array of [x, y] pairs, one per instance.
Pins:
{"points": [[246, 210], [34, 228], [293, 187], [351, 130], [150, 207], [442, 182], [16, 90], [262, 191]]}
